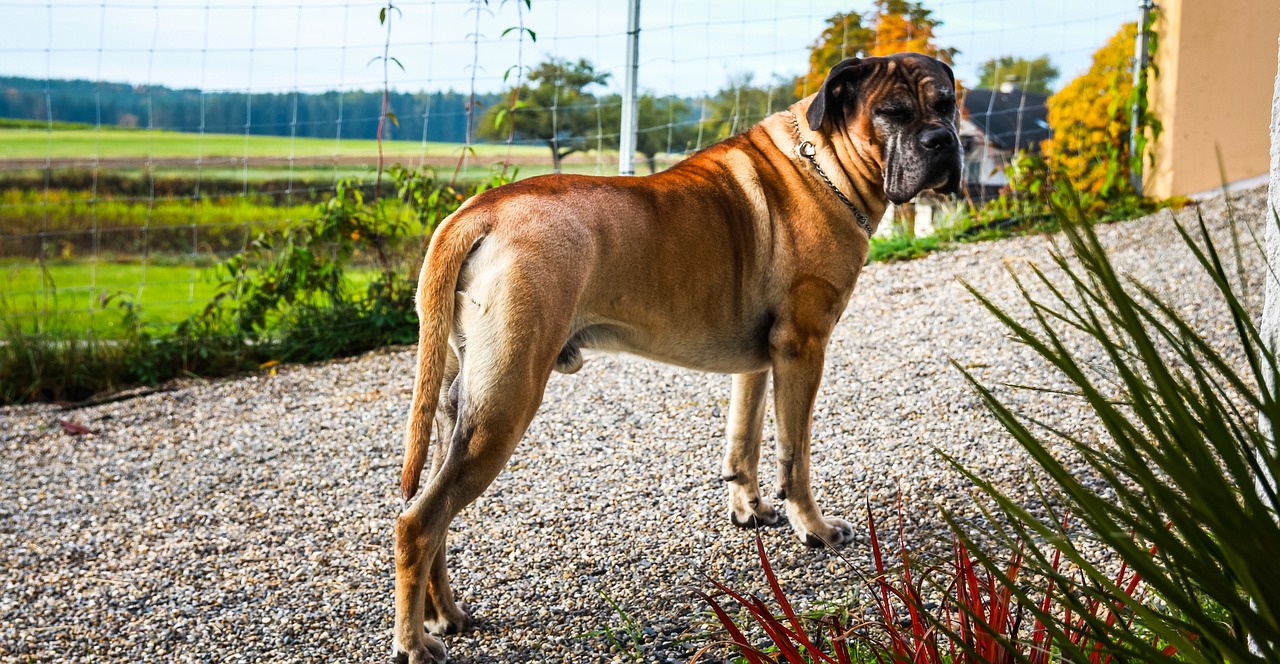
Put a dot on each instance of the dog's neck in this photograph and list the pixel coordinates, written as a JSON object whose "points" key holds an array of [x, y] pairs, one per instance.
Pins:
{"points": [[854, 169]]}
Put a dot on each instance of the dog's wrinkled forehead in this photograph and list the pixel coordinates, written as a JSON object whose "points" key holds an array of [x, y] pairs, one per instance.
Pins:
{"points": [[903, 77]]}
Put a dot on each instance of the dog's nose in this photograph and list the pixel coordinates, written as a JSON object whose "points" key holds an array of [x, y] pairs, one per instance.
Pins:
{"points": [[937, 138]]}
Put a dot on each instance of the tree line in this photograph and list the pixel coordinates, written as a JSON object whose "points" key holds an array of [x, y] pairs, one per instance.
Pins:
{"points": [[564, 100], [351, 114]]}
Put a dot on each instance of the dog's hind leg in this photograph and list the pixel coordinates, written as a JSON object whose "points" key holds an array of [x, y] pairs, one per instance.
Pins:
{"points": [[742, 452], [511, 346], [482, 442], [441, 614]]}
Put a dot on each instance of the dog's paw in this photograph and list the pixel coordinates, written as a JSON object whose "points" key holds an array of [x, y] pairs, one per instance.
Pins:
{"points": [[763, 514], [747, 508], [830, 532], [452, 621], [429, 651]]}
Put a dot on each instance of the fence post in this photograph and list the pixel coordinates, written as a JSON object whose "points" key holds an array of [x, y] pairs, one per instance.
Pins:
{"points": [[630, 103], [1139, 73]]}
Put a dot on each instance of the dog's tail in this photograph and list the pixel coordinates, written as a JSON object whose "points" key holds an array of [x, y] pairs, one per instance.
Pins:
{"points": [[437, 286]]}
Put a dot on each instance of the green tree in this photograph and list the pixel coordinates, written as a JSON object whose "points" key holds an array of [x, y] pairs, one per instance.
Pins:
{"points": [[663, 125], [892, 26], [740, 104], [555, 106], [1034, 75]]}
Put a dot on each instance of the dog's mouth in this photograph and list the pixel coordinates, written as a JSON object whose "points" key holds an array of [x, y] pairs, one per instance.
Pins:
{"points": [[908, 175], [947, 181]]}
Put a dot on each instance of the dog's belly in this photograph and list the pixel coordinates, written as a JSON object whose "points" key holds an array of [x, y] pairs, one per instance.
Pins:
{"points": [[738, 349]]}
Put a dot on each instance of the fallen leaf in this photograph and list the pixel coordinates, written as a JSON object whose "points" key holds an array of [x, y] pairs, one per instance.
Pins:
{"points": [[76, 428]]}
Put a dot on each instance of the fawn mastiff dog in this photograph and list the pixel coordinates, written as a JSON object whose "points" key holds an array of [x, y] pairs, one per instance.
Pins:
{"points": [[739, 260]]}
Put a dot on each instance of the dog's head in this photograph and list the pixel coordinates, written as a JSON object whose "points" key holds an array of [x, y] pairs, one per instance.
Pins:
{"points": [[903, 107]]}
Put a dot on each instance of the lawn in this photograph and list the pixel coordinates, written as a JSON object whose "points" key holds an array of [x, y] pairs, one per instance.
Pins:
{"points": [[67, 296], [119, 143], [192, 157], [115, 195]]}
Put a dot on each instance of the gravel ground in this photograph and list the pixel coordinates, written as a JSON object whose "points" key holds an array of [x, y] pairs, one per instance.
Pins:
{"points": [[251, 519]]}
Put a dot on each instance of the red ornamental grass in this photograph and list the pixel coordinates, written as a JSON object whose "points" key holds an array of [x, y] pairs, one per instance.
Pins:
{"points": [[979, 620], [790, 638]]}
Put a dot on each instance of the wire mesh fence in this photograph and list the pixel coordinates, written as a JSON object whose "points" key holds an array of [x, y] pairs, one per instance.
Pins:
{"points": [[143, 143]]}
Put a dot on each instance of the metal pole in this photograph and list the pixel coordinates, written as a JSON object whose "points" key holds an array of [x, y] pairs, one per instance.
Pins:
{"points": [[630, 102], [1139, 74]]}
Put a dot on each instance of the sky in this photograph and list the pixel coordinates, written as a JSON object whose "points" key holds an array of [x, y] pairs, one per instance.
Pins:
{"points": [[687, 47]]}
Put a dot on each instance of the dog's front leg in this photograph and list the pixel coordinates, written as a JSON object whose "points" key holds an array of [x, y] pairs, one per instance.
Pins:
{"points": [[747, 507], [798, 351]]}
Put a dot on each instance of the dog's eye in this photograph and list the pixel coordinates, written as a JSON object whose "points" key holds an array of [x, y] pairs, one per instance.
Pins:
{"points": [[945, 106], [893, 112]]}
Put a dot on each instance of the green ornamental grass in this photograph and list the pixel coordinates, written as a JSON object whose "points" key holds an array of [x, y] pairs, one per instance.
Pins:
{"points": [[1186, 496]]}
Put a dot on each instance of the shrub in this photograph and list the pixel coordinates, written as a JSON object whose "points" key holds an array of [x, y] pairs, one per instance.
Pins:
{"points": [[1090, 145]]}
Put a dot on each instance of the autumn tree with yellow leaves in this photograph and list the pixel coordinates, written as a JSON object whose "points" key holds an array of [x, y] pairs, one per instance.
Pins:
{"points": [[892, 26], [1091, 120]]}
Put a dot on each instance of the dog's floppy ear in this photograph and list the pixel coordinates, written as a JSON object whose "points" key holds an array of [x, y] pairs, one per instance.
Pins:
{"points": [[950, 74], [840, 76]]}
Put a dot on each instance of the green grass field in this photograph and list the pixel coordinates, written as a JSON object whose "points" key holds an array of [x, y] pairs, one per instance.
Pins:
{"points": [[67, 296], [118, 143], [91, 238], [237, 158], [72, 292]]}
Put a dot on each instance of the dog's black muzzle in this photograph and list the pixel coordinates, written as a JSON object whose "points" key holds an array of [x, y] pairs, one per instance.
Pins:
{"points": [[941, 149]]}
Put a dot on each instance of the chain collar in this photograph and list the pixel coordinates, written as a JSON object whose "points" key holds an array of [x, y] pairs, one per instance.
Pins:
{"points": [[807, 150]]}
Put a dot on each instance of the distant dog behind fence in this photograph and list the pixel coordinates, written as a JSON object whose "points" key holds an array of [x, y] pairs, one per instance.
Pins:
{"points": [[739, 260]]}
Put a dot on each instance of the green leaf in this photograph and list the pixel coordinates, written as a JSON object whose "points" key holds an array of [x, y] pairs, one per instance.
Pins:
{"points": [[392, 117]]}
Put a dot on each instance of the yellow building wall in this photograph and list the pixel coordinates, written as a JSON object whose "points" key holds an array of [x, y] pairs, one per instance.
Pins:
{"points": [[1217, 63]]}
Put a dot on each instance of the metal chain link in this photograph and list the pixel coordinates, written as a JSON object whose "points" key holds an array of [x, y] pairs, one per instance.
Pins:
{"points": [[807, 150]]}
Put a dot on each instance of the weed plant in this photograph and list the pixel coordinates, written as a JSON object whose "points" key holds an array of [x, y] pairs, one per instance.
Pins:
{"points": [[925, 614], [40, 360]]}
